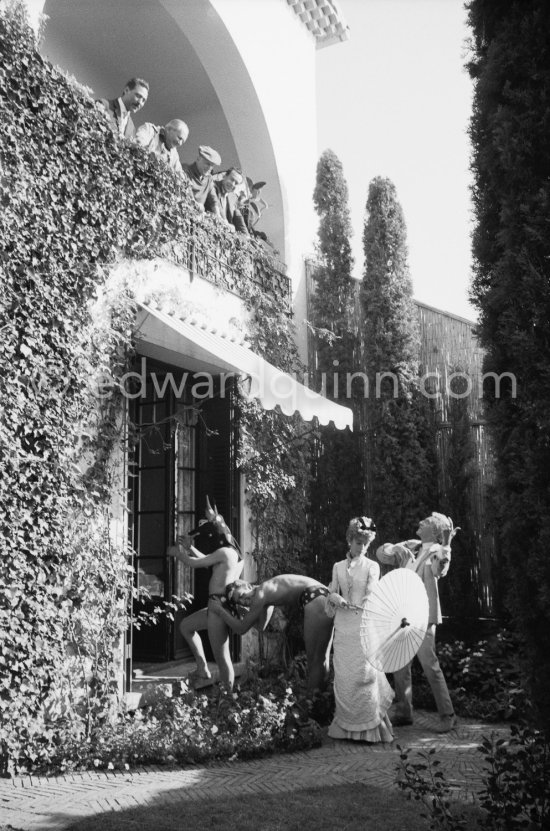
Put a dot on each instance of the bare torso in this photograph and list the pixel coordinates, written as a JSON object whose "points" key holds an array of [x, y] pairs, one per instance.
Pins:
{"points": [[284, 590], [228, 568]]}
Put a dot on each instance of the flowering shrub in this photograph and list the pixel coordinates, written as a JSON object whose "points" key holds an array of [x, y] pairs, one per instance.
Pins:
{"points": [[484, 679], [261, 717]]}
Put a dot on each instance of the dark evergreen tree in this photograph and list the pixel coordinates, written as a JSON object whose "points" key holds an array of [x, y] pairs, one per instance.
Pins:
{"points": [[510, 131], [399, 432], [337, 491], [461, 591], [332, 303]]}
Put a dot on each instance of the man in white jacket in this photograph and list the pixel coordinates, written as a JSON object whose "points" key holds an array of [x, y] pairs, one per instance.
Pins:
{"points": [[164, 141], [430, 558]]}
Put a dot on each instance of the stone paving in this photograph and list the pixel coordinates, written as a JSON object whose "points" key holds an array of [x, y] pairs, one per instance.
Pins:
{"points": [[55, 803]]}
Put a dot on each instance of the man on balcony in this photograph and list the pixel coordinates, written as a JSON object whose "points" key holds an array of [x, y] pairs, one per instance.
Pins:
{"points": [[119, 110], [229, 201], [200, 176], [164, 141]]}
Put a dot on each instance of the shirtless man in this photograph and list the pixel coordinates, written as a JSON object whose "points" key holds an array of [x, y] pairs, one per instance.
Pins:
{"points": [[227, 565], [285, 590]]}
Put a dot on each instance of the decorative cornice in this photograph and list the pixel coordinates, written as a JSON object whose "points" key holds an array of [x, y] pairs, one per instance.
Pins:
{"points": [[323, 19]]}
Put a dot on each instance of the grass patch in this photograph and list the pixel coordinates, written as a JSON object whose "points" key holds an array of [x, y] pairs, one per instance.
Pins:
{"points": [[354, 806]]}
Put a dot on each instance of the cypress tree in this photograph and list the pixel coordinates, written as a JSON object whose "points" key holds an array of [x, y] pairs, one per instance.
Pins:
{"points": [[509, 129], [399, 444], [461, 591], [332, 304], [337, 490]]}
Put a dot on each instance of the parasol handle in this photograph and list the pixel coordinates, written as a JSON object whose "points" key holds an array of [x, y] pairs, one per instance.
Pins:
{"points": [[404, 622]]}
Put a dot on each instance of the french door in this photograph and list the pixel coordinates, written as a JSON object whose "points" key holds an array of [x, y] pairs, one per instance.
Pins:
{"points": [[184, 450]]}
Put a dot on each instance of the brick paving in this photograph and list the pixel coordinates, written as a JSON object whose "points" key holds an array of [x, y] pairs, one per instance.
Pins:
{"points": [[36, 803]]}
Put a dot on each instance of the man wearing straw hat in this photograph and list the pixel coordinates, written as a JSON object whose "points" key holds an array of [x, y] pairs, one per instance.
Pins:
{"points": [[430, 558]]}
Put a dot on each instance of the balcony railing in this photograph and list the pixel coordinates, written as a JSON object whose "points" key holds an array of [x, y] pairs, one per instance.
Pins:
{"points": [[215, 255], [180, 231]]}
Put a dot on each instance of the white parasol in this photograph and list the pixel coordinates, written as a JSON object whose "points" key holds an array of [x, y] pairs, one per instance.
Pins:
{"points": [[395, 620]]}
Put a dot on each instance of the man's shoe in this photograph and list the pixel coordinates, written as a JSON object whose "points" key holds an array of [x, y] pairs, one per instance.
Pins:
{"points": [[400, 721], [446, 723]]}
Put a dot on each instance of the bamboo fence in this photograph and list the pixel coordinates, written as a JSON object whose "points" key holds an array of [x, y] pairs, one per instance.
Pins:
{"points": [[450, 356]]}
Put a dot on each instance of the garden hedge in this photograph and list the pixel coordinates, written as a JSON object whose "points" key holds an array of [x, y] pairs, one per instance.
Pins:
{"points": [[510, 65]]}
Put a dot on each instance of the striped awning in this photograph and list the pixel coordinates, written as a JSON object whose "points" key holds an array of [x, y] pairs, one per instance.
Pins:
{"points": [[194, 346]]}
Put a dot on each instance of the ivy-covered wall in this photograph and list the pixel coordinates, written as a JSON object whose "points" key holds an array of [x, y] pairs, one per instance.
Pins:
{"points": [[74, 200]]}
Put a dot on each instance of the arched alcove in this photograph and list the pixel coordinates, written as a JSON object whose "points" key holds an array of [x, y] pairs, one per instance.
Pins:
{"points": [[194, 69]]}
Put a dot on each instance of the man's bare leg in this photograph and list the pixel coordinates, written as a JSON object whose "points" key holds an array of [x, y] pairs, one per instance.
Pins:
{"points": [[318, 631], [189, 628], [218, 632]]}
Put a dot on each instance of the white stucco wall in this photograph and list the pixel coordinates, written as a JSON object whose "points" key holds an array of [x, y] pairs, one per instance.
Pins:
{"points": [[277, 58], [240, 72], [279, 54], [34, 11]]}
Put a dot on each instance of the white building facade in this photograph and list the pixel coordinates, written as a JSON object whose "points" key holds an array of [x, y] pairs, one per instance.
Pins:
{"points": [[241, 74]]}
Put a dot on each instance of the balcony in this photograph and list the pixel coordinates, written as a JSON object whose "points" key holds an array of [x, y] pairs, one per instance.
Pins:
{"points": [[203, 255], [203, 245]]}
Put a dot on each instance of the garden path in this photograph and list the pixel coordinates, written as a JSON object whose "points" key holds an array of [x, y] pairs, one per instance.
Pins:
{"points": [[54, 803]]}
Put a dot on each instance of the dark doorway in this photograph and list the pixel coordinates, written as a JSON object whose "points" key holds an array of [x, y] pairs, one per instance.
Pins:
{"points": [[184, 450]]}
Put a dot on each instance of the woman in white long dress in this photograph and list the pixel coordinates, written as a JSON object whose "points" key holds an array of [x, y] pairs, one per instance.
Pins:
{"points": [[362, 694]]}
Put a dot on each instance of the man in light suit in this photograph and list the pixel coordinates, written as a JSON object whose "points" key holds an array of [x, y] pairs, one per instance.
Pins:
{"points": [[229, 201], [430, 558], [119, 110]]}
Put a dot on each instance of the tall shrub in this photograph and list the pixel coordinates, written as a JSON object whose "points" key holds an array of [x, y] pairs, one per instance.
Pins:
{"points": [[399, 446], [337, 489], [332, 304], [461, 589], [510, 125]]}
